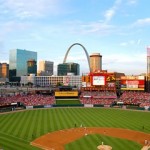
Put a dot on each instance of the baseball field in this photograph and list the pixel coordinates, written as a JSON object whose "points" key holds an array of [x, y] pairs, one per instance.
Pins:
{"points": [[19, 129]]}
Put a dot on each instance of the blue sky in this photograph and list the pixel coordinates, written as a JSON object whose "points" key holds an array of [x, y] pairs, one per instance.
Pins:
{"points": [[117, 29]]}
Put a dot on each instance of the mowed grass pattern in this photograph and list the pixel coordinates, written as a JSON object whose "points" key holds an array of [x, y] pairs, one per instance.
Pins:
{"points": [[90, 142], [18, 129]]}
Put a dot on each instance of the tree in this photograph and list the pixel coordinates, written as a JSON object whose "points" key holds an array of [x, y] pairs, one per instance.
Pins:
{"points": [[30, 84], [59, 84]]}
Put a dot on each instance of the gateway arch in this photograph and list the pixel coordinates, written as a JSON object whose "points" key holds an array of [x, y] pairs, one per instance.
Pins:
{"points": [[87, 55]]}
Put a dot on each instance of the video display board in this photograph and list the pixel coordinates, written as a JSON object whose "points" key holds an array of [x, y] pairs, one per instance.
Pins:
{"points": [[98, 80]]}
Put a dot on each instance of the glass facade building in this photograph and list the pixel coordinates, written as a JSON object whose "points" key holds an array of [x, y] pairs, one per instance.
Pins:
{"points": [[31, 67], [18, 59], [65, 68]]}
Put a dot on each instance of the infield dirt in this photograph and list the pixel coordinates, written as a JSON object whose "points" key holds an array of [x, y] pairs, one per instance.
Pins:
{"points": [[58, 139]]}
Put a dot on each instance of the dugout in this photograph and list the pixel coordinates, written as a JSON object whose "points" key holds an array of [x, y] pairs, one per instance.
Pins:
{"points": [[44, 92], [65, 88], [11, 107]]}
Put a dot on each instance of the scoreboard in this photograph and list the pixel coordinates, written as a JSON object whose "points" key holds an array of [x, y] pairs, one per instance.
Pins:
{"points": [[99, 81], [133, 83]]}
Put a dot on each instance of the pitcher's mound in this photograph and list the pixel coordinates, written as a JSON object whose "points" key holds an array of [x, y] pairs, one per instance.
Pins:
{"points": [[104, 147]]}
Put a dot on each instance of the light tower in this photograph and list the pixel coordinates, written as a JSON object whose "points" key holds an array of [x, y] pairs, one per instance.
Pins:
{"points": [[148, 70]]}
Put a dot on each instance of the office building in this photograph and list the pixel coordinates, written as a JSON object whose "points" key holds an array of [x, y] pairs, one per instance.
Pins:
{"points": [[65, 68], [95, 62], [31, 67], [4, 73], [18, 59], [45, 81], [4, 70], [45, 68]]}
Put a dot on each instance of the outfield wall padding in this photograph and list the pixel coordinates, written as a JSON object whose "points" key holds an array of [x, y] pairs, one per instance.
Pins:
{"points": [[98, 105]]}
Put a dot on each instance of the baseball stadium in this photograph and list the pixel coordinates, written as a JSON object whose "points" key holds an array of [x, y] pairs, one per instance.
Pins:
{"points": [[110, 111], [98, 116]]}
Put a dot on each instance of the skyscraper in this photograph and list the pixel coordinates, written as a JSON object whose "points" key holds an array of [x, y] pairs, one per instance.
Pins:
{"points": [[31, 67], [18, 63], [95, 62], [65, 68], [45, 68], [4, 70]]}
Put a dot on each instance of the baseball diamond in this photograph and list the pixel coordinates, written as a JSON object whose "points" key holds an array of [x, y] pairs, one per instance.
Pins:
{"points": [[20, 129]]}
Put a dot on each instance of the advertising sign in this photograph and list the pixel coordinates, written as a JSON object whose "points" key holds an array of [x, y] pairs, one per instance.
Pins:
{"points": [[111, 84], [83, 84], [67, 80], [133, 83], [66, 93]]}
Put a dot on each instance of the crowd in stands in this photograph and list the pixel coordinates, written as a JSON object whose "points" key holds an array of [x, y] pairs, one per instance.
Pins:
{"points": [[139, 98], [135, 98], [100, 101], [98, 97], [99, 94], [28, 100]]}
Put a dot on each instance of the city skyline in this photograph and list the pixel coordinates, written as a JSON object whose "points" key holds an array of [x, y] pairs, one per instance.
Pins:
{"points": [[117, 29]]}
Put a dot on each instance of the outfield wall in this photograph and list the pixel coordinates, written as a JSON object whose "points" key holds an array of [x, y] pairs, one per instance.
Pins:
{"points": [[78, 105], [87, 105]]}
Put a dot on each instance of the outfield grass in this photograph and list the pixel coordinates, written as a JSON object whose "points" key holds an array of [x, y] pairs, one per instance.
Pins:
{"points": [[18, 129]]}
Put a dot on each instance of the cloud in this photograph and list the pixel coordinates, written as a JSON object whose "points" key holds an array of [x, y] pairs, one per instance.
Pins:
{"points": [[98, 27], [139, 41], [8, 27], [132, 2], [36, 36], [3, 53], [113, 62], [123, 44], [142, 22], [109, 14], [131, 42], [1, 47], [23, 9], [125, 63], [76, 59], [112, 11], [124, 59]]}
